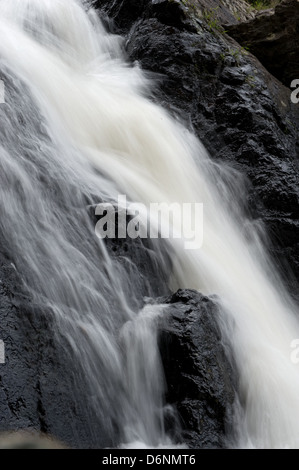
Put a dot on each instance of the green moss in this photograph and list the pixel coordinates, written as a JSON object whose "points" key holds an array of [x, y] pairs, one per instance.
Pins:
{"points": [[236, 54], [250, 79], [212, 20], [263, 4]]}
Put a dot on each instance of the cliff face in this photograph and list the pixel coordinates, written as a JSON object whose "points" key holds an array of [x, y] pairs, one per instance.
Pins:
{"points": [[43, 385], [241, 112], [40, 387], [244, 116], [273, 38]]}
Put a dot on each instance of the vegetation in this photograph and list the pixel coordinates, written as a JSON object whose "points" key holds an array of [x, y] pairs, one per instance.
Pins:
{"points": [[263, 4], [212, 20], [235, 54]]}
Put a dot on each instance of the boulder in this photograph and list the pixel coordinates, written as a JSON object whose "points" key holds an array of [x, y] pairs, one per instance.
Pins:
{"points": [[273, 37], [40, 390], [176, 12], [199, 376]]}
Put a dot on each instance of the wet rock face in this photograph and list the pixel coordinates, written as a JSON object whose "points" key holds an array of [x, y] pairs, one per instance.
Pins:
{"points": [[273, 37], [198, 374], [242, 114], [125, 12], [39, 388], [244, 117], [44, 384], [239, 9], [143, 260]]}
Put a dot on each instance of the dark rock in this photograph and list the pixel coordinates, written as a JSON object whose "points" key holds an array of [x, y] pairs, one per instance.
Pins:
{"points": [[175, 12], [242, 114], [273, 37], [145, 260], [123, 12], [44, 386], [198, 373], [39, 388], [126, 12], [223, 11]]}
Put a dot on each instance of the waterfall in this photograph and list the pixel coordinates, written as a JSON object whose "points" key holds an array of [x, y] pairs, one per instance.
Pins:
{"points": [[92, 132]]}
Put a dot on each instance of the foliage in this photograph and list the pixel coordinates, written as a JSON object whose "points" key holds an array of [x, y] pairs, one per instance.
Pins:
{"points": [[263, 4], [212, 20]]}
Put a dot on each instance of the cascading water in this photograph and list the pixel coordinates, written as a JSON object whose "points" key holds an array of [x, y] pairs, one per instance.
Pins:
{"points": [[99, 136]]}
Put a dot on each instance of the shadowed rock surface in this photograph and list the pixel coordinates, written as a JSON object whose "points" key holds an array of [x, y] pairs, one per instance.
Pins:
{"points": [[245, 118], [198, 374], [243, 115], [41, 387], [176, 12], [273, 37], [42, 383]]}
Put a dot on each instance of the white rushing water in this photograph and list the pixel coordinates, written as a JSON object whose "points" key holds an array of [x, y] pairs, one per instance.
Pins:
{"points": [[107, 137]]}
